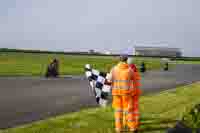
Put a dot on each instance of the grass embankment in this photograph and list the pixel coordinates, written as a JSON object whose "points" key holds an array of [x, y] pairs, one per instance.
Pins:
{"points": [[159, 111], [188, 62], [27, 64]]}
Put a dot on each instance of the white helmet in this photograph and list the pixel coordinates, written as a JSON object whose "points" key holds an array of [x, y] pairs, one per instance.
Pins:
{"points": [[130, 60], [88, 66]]}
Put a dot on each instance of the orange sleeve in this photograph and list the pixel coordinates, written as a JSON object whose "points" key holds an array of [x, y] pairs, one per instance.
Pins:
{"points": [[136, 79]]}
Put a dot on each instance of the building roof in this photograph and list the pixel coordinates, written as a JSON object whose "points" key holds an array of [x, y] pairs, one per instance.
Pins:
{"points": [[157, 48]]}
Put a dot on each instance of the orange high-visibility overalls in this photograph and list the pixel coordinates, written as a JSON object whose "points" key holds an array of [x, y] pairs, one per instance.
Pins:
{"points": [[123, 91], [135, 98]]}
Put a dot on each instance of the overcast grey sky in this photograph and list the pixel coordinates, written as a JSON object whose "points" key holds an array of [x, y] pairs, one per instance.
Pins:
{"points": [[100, 24]]}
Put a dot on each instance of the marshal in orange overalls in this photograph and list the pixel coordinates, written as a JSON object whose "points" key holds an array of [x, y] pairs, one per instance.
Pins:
{"points": [[123, 91], [135, 98]]}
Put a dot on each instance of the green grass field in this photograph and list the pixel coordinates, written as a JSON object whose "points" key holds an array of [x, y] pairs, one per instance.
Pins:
{"points": [[27, 64], [158, 112]]}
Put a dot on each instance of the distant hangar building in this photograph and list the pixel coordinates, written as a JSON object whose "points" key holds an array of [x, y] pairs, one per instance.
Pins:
{"points": [[157, 51]]}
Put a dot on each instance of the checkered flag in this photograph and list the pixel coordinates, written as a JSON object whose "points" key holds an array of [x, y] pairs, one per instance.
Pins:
{"points": [[100, 84]]}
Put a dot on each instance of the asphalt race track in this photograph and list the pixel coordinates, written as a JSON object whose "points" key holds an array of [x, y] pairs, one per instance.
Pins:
{"points": [[26, 99]]}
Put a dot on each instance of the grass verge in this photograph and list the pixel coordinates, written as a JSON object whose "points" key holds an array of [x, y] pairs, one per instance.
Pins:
{"points": [[187, 62], [29, 64], [158, 112]]}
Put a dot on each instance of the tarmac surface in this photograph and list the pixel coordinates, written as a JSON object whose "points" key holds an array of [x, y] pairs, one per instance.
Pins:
{"points": [[27, 99]]}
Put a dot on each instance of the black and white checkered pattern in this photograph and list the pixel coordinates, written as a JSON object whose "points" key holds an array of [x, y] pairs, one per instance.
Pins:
{"points": [[100, 84]]}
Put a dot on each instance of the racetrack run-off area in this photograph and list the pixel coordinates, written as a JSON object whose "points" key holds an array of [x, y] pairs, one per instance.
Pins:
{"points": [[23, 100]]}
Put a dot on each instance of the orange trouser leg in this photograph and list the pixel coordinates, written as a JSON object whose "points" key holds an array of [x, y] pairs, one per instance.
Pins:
{"points": [[130, 106], [133, 113], [118, 119], [136, 112], [121, 104], [117, 105], [125, 104]]}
